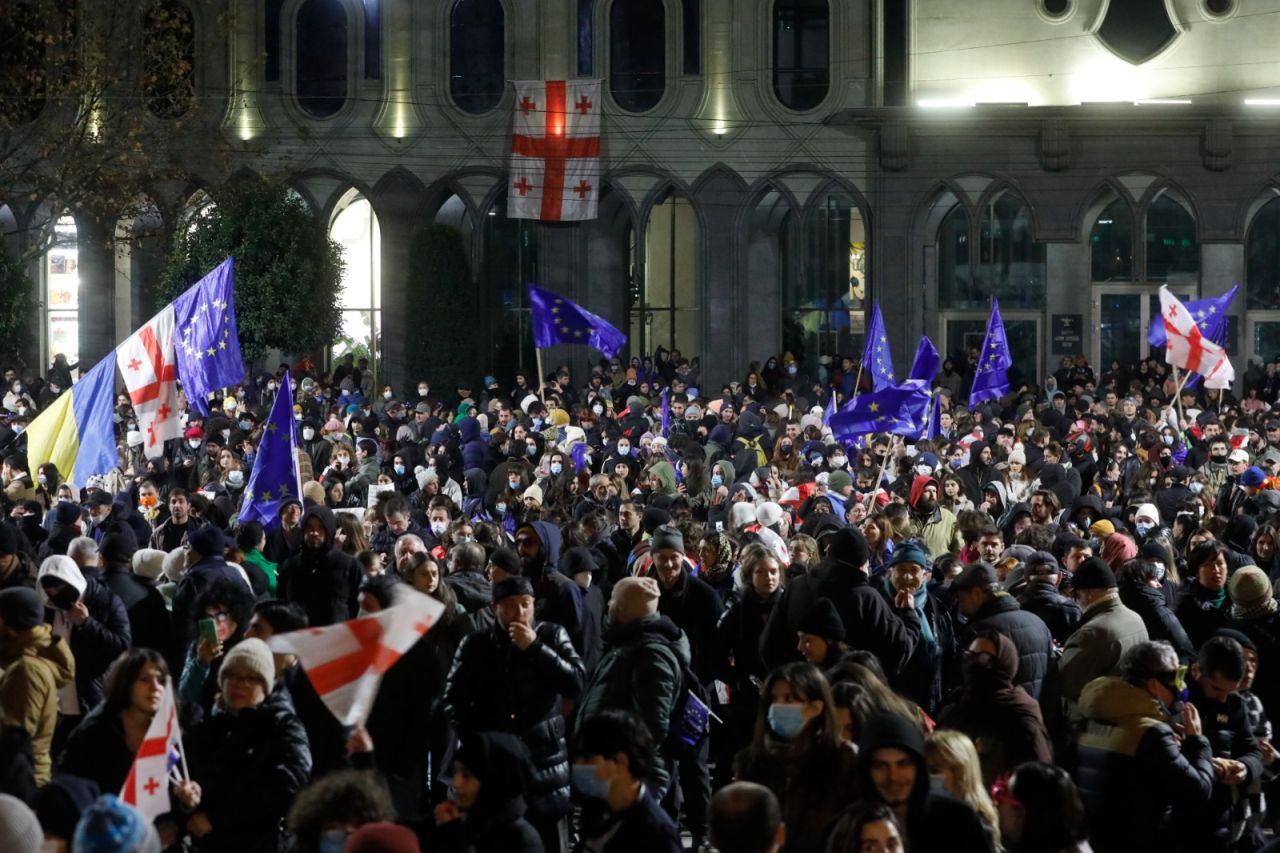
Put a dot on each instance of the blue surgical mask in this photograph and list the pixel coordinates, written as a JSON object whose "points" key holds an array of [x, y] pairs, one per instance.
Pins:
{"points": [[531, 451], [587, 783], [245, 426], [333, 840], [500, 508], [624, 450], [399, 469], [786, 719], [1159, 571], [1196, 487], [556, 468], [1143, 527], [716, 481]]}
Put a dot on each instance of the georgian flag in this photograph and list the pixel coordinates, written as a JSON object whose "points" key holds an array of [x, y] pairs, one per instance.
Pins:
{"points": [[150, 369], [146, 788], [555, 151], [1187, 348], [346, 662]]}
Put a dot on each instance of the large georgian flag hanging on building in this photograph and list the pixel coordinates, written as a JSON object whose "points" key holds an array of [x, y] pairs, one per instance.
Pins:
{"points": [[150, 370], [555, 151], [1187, 348]]}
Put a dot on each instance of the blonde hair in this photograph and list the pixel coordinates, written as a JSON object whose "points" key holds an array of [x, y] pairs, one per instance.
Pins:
{"points": [[954, 751], [747, 559]]}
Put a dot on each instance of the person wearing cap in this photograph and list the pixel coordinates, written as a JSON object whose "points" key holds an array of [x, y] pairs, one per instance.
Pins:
{"points": [[1106, 632], [514, 678], [909, 571], [1040, 596], [933, 524], [1231, 495], [34, 665], [981, 599], [249, 756], [641, 668]]}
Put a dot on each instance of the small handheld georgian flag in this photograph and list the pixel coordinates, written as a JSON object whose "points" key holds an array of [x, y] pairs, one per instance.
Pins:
{"points": [[146, 788]]}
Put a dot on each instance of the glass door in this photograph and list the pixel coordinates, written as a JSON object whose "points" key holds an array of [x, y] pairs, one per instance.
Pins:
{"points": [[1122, 316], [964, 331]]}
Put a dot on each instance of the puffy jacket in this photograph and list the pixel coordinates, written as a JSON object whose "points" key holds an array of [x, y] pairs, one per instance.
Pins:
{"points": [[473, 590], [1060, 614], [34, 665], [250, 765], [640, 672], [97, 641], [1109, 630], [1132, 773], [557, 598], [1150, 605], [1028, 632], [148, 617], [493, 686], [325, 582]]}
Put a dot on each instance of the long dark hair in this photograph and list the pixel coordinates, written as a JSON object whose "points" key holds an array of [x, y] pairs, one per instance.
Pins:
{"points": [[1055, 816], [118, 685], [809, 684]]}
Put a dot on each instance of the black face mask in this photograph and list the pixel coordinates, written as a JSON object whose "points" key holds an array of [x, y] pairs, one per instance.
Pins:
{"points": [[65, 598], [1219, 458]]}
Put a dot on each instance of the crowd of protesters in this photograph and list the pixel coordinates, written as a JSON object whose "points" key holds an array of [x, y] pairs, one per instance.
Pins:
{"points": [[1050, 628]]}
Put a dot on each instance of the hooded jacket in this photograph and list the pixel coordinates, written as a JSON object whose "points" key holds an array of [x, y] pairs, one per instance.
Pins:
{"points": [[325, 582], [937, 529], [976, 474], [34, 665], [1132, 773], [557, 598], [496, 823], [934, 821], [97, 641]]}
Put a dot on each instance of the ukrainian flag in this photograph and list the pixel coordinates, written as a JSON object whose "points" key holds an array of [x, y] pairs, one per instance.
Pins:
{"points": [[76, 432]]}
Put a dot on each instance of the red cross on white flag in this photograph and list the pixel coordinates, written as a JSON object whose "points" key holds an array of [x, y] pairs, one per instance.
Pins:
{"points": [[1185, 347], [555, 151], [150, 369], [146, 788]]}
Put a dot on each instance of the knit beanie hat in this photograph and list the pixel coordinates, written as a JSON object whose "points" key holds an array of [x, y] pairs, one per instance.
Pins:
{"points": [[20, 831], [254, 655], [768, 514], [118, 546], [113, 826], [1093, 573], [313, 493], [823, 620], [1018, 455], [66, 513], [911, 551], [148, 563], [1102, 527], [1252, 477], [21, 610], [1249, 588], [514, 585], [633, 599], [653, 518], [667, 536], [382, 837], [207, 541], [839, 480], [506, 559]]}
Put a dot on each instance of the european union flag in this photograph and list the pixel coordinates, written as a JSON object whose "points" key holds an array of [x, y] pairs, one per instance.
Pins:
{"points": [[207, 347], [990, 377], [275, 469], [666, 411], [1210, 314], [931, 428], [557, 320], [926, 363], [830, 410], [897, 409], [876, 357]]}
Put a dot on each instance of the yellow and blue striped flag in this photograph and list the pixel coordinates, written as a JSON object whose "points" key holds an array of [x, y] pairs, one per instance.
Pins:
{"points": [[76, 432]]}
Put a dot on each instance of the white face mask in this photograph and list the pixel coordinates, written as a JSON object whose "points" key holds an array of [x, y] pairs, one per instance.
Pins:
{"points": [[422, 390], [386, 395], [308, 433], [438, 528], [193, 443]]}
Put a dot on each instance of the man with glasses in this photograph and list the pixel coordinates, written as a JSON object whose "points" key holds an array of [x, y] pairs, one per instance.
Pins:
{"points": [[1142, 757]]}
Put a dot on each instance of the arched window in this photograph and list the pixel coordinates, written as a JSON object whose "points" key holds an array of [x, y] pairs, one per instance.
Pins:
{"points": [[829, 301], [670, 314], [24, 79], [1262, 260], [801, 60], [1111, 243], [956, 285], [271, 34], [1173, 252], [321, 42], [62, 291], [477, 54], [637, 53], [354, 227], [1011, 262], [169, 55]]}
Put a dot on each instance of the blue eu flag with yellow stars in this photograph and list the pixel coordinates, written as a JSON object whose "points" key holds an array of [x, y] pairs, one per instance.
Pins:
{"points": [[1210, 314], [557, 320], [896, 409], [990, 376], [206, 344], [275, 468], [876, 358]]}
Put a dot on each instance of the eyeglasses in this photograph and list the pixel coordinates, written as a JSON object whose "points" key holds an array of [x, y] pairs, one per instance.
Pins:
{"points": [[220, 616]]}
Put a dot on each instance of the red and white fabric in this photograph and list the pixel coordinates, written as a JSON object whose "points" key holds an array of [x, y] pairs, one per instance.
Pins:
{"points": [[555, 151], [1187, 348], [346, 662], [150, 369], [146, 788]]}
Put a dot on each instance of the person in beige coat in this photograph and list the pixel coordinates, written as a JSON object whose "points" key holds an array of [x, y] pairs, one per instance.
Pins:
{"points": [[1106, 632], [34, 665]]}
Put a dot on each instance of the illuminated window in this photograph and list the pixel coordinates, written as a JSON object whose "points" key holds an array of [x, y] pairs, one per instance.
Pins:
{"points": [[355, 228], [62, 291], [669, 315], [1262, 260]]}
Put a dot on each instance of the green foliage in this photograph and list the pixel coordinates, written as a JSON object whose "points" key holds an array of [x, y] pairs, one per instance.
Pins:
{"points": [[440, 324], [288, 271], [17, 307]]}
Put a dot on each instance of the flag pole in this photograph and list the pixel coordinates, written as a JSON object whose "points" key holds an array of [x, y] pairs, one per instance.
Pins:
{"points": [[542, 380], [1177, 396], [880, 476]]}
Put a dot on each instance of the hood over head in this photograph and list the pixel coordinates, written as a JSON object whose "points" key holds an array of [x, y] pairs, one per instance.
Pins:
{"points": [[325, 515]]}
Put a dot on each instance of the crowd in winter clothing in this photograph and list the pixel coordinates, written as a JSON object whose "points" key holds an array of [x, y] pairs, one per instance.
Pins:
{"points": [[673, 617]]}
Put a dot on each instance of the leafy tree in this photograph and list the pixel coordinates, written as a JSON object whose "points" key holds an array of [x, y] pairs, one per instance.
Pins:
{"points": [[440, 339], [288, 272], [17, 305]]}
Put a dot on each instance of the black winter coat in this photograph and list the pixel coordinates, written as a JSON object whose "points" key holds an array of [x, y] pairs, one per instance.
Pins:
{"points": [[695, 609], [1265, 633], [1061, 615], [198, 578], [96, 750], [1151, 604], [1029, 633], [870, 622], [325, 582], [1198, 613], [494, 686], [148, 616], [97, 642], [473, 590], [250, 765]]}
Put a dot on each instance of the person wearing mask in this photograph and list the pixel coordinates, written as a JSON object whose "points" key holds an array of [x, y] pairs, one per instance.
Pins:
{"points": [[35, 664], [322, 579], [796, 753], [1203, 605], [981, 599], [909, 571], [487, 808], [1001, 717], [893, 772], [243, 801], [1135, 772], [614, 755], [514, 678], [1106, 632], [16, 566], [953, 759], [1139, 582]]}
